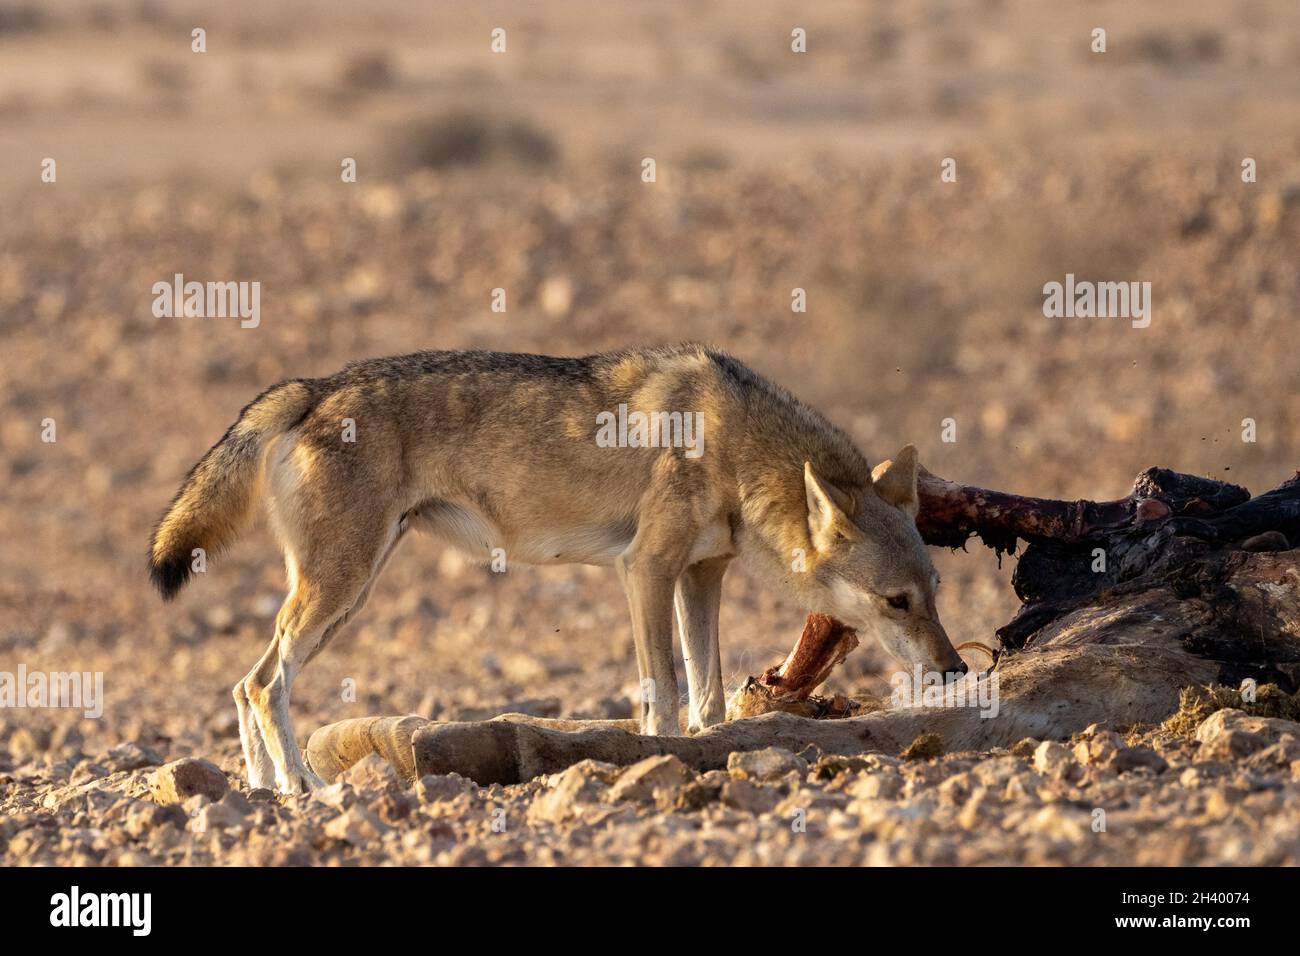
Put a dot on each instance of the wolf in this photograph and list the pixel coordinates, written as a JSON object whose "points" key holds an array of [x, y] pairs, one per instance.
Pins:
{"points": [[489, 450]]}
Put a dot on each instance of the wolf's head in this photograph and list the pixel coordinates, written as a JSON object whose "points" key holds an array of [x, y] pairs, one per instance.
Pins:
{"points": [[871, 568]]}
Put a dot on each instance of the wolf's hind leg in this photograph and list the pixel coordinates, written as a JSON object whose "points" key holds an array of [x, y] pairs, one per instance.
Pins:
{"points": [[698, 598], [257, 760], [325, 596]]}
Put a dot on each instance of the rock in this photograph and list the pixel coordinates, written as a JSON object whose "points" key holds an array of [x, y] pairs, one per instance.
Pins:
{"points": [[217, 816], [340, 795], [26, 742], [955, 791], [640, 781], [357, 826], [1060, 822], [1230, 733], [570, 791], [977, 810], [749, 797], [1053, 759], [236, 801], [182, 779], [1127, 759], [882, 785], [1022, 788], [67, 737], [694, 796], [131, 756], [371, 772], [1098, 749], [769, 763], [87, 772], [143, 816], [833, 765], [435, 788], [996, 771], [393, 806], [1280, 755]]}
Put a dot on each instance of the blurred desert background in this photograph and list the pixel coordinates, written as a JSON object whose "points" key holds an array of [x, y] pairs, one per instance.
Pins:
{"points": [[522, 170]]}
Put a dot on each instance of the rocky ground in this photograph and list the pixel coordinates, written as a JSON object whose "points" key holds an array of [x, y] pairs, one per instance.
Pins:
{"points": [[1223, 792], [775, 173]]}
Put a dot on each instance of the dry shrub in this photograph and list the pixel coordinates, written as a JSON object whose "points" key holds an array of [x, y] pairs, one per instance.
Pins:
{"points": [[1182, 50], [370, 71], [466, 139], [1195, 704]]}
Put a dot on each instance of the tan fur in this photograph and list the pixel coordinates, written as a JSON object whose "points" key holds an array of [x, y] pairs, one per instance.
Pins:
{"points": [[490, 451]]}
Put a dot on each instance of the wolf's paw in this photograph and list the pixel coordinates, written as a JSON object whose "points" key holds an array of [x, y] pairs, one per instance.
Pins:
{"points": [[297, 780]]}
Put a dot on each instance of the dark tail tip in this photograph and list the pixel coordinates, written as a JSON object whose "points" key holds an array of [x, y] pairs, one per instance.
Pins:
{"points": [[169, 574]]}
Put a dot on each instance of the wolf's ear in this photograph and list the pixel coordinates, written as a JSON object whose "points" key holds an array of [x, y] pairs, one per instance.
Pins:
{"points": [[826, 517], [895, 481]]}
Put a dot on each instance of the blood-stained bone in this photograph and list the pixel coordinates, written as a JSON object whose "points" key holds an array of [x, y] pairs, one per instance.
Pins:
{"points": [[788, 687]]}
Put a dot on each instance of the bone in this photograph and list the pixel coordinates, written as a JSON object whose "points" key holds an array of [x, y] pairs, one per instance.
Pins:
{"points": [[336, 747], [788, 687], [1137, 682]]}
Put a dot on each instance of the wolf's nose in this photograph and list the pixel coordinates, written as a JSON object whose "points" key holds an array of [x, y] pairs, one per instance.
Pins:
{"points": [[961, 667]]}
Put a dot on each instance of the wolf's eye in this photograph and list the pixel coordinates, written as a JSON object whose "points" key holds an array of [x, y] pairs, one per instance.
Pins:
{"points": [[898, 601]]}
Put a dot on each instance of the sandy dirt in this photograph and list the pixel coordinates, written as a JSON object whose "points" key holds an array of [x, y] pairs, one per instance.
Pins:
{"points": [[523, 171]]}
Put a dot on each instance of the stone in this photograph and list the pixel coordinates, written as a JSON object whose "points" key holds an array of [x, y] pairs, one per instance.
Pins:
{"points": [[217, 816], [1054, 759], [371, 772], [435, 788], [770, 763], [749, 797], [881, 785], [131, 756], [357, 826], [1269, 729], [143, 816], [571, 791], [640, 781], [183, 779], [1098, 749], [1128, 759]]}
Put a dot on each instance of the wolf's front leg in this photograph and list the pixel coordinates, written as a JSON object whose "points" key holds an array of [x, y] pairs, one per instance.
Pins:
{"points": [[699, 597], [650, 597]]}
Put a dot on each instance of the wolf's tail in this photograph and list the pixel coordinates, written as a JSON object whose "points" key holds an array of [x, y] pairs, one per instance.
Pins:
{"points": [[217, 496]]}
